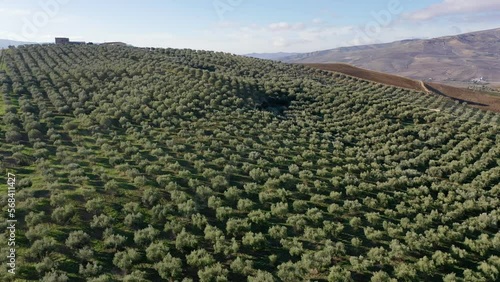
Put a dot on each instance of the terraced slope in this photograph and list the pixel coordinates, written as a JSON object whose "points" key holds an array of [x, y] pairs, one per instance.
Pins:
{"points": [[179, 165]]}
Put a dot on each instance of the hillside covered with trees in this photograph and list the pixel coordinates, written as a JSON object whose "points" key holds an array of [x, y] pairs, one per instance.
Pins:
{"points": [[178, 165]]}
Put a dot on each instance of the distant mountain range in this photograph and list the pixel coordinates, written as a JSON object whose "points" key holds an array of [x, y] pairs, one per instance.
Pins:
{"points": [[5, 43], [452, 58]]}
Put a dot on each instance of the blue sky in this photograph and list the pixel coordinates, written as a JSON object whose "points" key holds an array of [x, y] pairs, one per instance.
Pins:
{"points": [[244, 26]]}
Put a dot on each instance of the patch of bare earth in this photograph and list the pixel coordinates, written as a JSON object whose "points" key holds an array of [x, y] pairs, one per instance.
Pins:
{"points": [[379, 77], [475, 99]]}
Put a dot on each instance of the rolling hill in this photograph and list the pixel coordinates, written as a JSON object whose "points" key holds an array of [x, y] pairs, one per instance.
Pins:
{"points": [[452, 58], [149, 164]]}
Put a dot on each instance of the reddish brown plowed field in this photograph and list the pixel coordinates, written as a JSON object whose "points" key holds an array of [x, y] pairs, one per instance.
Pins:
{"points": [[379, 77], [474, 98]]}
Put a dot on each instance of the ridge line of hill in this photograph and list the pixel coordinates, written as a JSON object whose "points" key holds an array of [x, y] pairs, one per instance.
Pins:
{"points": [[453, 59]]}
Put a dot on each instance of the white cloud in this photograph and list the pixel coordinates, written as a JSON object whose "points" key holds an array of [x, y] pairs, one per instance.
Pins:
{"points": [[14, 12], [279, 26], [226, 24], [281, 36], [286, 26], [280, 42], [299, 26], [317, 21], [453, 7]]}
